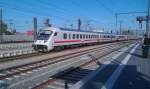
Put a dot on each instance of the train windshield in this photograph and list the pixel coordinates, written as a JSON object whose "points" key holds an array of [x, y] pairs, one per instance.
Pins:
{"points": [[44, 34]]}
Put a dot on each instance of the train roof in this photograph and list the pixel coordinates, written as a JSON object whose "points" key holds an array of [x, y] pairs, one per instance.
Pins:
{"points": [[76, 30]]}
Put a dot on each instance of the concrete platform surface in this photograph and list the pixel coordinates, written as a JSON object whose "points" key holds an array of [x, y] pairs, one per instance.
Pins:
{"points": [[128, 71], [136, 74]]}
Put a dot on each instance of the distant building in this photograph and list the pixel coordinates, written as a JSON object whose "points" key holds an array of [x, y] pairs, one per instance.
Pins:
{"points": [[29, 32], [14, 31], [98, 30], [18, 33]]}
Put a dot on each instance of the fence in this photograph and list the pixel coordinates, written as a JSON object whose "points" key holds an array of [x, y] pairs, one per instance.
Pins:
{"points": [[16, 38]]}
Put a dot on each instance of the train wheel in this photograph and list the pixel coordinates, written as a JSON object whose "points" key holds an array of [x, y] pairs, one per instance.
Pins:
{"points": [[57, 49]]}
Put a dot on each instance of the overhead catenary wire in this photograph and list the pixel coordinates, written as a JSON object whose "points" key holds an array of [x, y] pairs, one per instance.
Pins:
{"points": [[102, 5], [45, 6], [25, 12], [58, 8]]}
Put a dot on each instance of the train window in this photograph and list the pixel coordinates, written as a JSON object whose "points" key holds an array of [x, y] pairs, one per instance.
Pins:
{"points": [[65, 36], [86, 36], [77, 36], [83, 36], [69, 36], [104, 36], [89, 36], [73, 36], [55, 34], [80, 36]]}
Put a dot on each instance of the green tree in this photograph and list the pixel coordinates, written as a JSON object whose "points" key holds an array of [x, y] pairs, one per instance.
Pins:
{"points": [[127, 32], [3, 28]]}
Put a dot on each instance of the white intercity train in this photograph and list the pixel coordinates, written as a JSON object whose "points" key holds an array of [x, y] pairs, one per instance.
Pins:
{"points": [[50, 38]]}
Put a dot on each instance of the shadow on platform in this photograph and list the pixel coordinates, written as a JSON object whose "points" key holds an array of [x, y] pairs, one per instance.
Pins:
{"points": [[130, 78], [69, 77]]}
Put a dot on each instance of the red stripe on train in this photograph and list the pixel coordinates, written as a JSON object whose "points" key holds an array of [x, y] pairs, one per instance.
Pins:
{"points": [[68, 41], [65, 41]]}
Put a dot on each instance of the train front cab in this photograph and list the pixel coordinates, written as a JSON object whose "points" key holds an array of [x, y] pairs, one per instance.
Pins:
{"points": [[44, 41]]}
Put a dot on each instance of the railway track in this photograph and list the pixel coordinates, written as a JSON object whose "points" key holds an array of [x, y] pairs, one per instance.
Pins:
{"points": [[5, 73], [19, 57], [14, 71], [19, 70], [19, 60], [34, 54], [67, 78]]}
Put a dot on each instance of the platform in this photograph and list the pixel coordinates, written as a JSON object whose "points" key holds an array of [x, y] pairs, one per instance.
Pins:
{"points": [[136, 74], [128, 71]]}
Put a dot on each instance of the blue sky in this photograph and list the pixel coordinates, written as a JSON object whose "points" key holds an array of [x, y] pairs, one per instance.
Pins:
{"points": [[100, 13]]}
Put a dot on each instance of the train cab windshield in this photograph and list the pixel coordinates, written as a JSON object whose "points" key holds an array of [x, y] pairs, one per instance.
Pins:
{"points": [[44, 34]]}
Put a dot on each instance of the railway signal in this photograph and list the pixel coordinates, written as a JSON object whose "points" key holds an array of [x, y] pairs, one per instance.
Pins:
{"points": [[146, 42], [1, 24], [79, 24], [35, 28]]}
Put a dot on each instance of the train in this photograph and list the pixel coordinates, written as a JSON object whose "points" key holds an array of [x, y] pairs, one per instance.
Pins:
{"points": [[53, 38]]}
